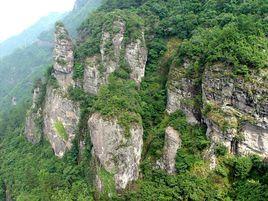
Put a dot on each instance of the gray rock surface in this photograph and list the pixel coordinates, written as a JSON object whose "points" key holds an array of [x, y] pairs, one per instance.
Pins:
{"points": [[238, 114], [136, 57], [117, 153], [63, 58], [181, 92], [60, 114], [112, 51], [61, 117], [172, 144]]}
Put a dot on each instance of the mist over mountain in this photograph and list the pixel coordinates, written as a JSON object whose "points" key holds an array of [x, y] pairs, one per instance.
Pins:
{"points": [[30, 35]]}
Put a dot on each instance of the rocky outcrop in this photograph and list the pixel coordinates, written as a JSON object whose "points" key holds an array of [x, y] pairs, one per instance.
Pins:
{"points": [[181, 92], [60, 114], [33, 129], [61, 117], [114, 51], [136, 58], [116, 152], [63, 58], [172, 144], [236, 109]]}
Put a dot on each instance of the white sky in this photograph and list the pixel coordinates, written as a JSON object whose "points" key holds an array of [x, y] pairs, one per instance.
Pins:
{"points": [[17, 15]]}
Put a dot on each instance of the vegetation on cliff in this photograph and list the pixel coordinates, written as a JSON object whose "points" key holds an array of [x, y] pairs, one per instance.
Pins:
{"points": [[233, 32]]}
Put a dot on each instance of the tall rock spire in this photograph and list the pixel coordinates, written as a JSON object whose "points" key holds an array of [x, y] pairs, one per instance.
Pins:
{"points": [[63, 57], [61, 115]]}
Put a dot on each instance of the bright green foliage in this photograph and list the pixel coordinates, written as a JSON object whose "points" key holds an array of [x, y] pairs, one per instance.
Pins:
{"points": [[241, 167], [121, 4], [250, 190], [186, 186], [119, 99], [60, 130], [193, 142], [78, 71], [230, 45], [107, 178], [34, 172]]}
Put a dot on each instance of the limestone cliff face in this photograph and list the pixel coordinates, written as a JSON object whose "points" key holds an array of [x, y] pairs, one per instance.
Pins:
{"points": [[60, 114], [33, 130], [172, 145], [63, 58], [61, 117], [116, 152], [113, 51], [236, 109], [181, 92]]}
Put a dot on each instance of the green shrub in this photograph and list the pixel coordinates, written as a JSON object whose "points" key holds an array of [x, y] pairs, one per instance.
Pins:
{"points": [[60, 130], [78, 71], [220, 150], [241, 167], [119, 99], [222, 170]]}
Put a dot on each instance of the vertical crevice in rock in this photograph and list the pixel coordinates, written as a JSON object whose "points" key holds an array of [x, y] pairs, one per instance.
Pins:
{"points": [[234, 147], [182, 92]]}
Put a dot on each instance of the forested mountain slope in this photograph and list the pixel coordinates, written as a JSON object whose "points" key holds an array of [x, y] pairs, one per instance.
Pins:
{"points": [[156, 100]]}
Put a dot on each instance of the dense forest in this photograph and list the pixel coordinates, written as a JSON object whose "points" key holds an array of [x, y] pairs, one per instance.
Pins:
{"points": [[232, 32]]}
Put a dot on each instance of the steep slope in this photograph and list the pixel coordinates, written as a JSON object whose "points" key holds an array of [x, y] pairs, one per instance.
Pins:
{"points": [[157, 100], [111, 138]]}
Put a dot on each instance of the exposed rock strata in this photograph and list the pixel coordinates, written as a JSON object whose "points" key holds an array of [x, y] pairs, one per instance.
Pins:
{"points": [[117, 153], [63, 58], [236, 110]]}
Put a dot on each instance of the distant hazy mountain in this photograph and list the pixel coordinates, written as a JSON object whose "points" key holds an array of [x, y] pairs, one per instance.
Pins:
{"points": [[30, 35], [73, 20]]}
